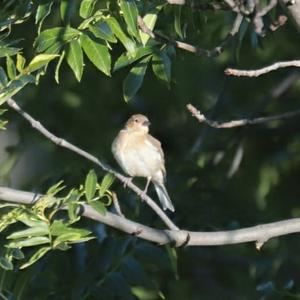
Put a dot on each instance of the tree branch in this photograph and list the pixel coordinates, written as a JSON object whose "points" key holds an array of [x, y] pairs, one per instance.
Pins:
{"points": [[258, 72], [293, 9], [238, 123], [65, 144], [191, 48], [258, 234]]}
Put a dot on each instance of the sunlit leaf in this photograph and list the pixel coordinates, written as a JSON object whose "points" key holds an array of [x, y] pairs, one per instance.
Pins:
{"points": [[40, 61], [86, 8], [11, 68], [20, 62], [149, 19], [75, 58], [130, 13], [42, 12], [35, 257], [119, 33], [90, 185], [106, 183], [58, 65], [33, 231], [98, 206], [51, 40], [34, 241], [97, 52]]}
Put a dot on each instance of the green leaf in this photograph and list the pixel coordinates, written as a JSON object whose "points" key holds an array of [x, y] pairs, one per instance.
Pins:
{"points": [[134, 79], [31, 220], [67, 9], [3, 78], [98, 206], [161, 65], [90, 185], [75, 58], [17, 254], [35, 257], [149, 19], [106, 183], [11, 68], [70, 238], [20, 62], [42, 12], [126, 58], [33, 231], [6, 264], [173, 259], [59, 63], [56, 188], [51, 40], [40, 61], [117, 30], [103, 31], [177, 21], [86, 8], [58, 227], [130, 13], [97, 53], [14, 87], [8, 51], [34, 241]]}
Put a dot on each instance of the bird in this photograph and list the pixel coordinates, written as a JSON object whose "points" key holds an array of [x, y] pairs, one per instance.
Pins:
{"points": [[139, 154]]}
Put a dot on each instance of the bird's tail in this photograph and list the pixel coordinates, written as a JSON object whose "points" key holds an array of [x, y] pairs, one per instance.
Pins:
{"points": [[164, 197]]}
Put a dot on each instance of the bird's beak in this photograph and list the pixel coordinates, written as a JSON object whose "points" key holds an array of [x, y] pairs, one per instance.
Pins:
{"points": [[146, 123]]}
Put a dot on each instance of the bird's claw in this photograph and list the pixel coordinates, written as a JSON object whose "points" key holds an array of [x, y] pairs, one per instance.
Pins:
{"points": [[127, 180]]}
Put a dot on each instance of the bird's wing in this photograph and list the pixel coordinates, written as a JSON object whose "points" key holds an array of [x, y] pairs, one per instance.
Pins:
{"points": [[156, 144]]}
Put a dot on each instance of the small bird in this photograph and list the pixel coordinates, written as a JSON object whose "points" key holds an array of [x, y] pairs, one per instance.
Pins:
{"points": [[140, 154]]}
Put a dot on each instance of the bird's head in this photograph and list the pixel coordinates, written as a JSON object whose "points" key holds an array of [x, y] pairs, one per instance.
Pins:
{"points": [[138, 123]]}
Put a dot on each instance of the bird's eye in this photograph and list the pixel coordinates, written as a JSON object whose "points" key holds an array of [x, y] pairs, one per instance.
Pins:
{"points": [[136, 120]]}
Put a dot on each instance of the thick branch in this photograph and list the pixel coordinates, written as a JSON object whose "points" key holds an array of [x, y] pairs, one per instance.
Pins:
{"points": [[63, 143], [258, 234], [258, 72], [238, 123]]}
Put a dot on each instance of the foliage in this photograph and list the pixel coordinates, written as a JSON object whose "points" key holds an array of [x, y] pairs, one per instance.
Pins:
{"points": [[71, 64]]}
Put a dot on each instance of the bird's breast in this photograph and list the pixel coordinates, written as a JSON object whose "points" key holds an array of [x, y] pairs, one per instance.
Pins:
{"points": [[136, 155]]}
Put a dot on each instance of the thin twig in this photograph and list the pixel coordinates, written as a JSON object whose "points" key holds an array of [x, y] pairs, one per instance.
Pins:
{"points": [[191, 48], [238, 123], [63, 143], [116, 204], [258, 72], [258, 234]]}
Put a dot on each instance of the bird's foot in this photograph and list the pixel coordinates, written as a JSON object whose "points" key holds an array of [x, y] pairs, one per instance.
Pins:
{"points": [[127, 180]]}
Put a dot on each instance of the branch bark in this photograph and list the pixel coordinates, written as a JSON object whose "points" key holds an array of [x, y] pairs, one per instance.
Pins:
{"points": [[258, 72], [238, 123], [258, 234], [293, 9], [65, 144]]}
